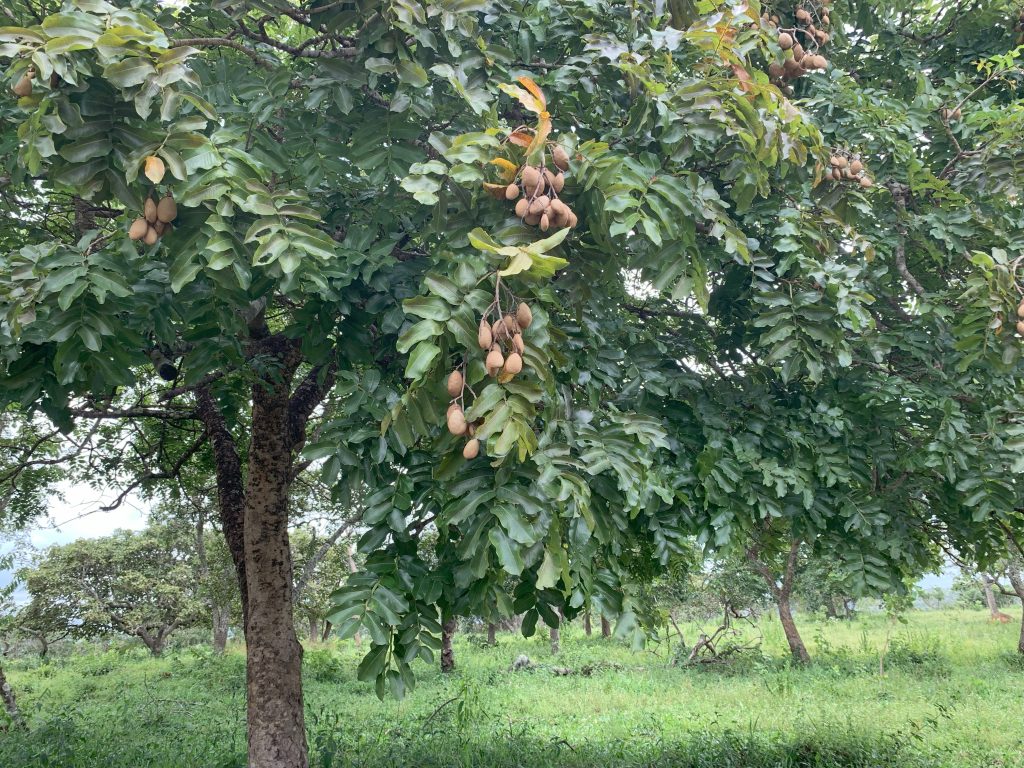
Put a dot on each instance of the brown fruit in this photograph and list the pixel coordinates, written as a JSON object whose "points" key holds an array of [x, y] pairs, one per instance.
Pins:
{"points": [[511, 324], [856, 166], [167, 210], [149, 210], [518, 344], [826, 20], [531, 178], [471, 429], [1020, 310], [837, 174], [775, 71], [792, 69], [511, 192], [572, 219], [484, 337], [513, 364], [522, 207], [560, 158], [558, 209], [545, 222], [137, 230], [24, 85], [524, 315], [457, 422], [820, 62], [452, 407], [472, 450], [785, 41], [823, 37], [838, 161], [455, 383], [558, 182], [955, 114], [866, 182], [533, 219], [798, 52], [803, 15], [494, 361], [160, 226], [151, 236], [540, 204], [498, 331], [1020, 327], [774, 19]]}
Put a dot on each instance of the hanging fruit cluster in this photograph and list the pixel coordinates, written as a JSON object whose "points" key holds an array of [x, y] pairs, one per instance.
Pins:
{"points": [[848, 167], [155, 221], [801, 43], [24, 85], [535, 190], [500, 337]]}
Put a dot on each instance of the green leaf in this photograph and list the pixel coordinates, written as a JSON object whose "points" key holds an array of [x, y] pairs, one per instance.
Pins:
{"points": [[129, 72], [421, 360]]}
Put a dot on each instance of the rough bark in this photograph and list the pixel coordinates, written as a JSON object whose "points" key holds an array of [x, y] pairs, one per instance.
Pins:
{"points": [[990, 596], [492, 634], [357, 637], [447, 652], [276, 724], [555, 640], [10, 705], [606, 627], [796, 643], [314, 630], [221, 621], [1017, 581], [587, 629], [328, 628]]}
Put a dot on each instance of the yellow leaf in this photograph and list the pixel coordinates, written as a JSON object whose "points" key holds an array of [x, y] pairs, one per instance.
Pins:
{"points": [[154, 169], [533, 88], [508, 168]]}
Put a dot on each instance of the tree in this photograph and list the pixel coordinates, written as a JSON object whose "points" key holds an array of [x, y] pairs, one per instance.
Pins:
{"points": [[136, 583], [726, 344]]}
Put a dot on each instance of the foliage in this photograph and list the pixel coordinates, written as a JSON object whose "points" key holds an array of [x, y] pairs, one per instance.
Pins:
{"points": [[138, 584], [727, 346]]}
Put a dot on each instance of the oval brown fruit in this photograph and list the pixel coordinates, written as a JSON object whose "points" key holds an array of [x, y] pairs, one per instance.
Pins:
{"points": [[455, 383], [1020, 309], [494, 361], [1020, 327], [545, 222], [856, 166], [23, 87], [151, 236], [531, 178], [866, 182], [513, 363], [560, 157], [798, 52], [785, 41], [524, 315], [522, 207], [558, 182], [471, 450], [838, 161], [137, 230], [484, 338], [149, 210], [167, 210], [533, 219], [457, 422], [511, 192], [518, 344], [540, 204], [775, 71]]}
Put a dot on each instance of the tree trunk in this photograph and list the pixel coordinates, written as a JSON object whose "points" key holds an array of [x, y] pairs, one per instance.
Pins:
{"points": [[221, 621], [10, 705], [44, 645], [447, 653], [357, 637], [990, 596], [555, 638], [328, 628], [606, 627], [155, 643], [276, 723], [796, 643], [1017, 580], [587, 629], [492, 634], [314, 630]]}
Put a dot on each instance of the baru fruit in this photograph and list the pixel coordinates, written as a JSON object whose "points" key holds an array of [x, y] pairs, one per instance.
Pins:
{"points": [[558, 182], [513, 363], [820, 62], [167, 210], [518, 344], [24, 85], [457, 422], [522, 207], [471, 450], [545, 222], [560, 157], [775, 71], [524, 315], [531, 179], [856, 166], [866, 182], [785, 41], [494, 361], [151, 236], [540, 204], [511, 192], [137, 230], [1020, 310], [484, 337], [803, 15], [455, 383], [838, 161], [149, 210], [1020, 327]]}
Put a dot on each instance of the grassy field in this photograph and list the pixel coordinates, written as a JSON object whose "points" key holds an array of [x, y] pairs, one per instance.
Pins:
{"points": [[952, 695]]}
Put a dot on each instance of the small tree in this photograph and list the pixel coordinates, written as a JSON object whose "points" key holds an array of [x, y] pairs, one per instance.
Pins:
{"points": [[139, 584]]}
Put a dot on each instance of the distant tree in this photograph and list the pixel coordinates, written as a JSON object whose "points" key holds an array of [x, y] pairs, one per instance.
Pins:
{"points": [[140, 584], [823, 586]]}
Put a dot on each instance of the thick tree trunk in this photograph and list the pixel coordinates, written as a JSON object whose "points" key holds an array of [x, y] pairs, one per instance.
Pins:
{"points": [[555, 640], [447, 652], [990, 597], [328, 627], [276, 723], [1017, 581], [221, 621], [606, 627], [492, 634], [796, 643], [10, 705], [587, 629], [357, 637], [155, 643], [314, 630]]}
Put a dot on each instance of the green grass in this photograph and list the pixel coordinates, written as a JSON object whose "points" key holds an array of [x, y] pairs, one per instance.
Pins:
{"points": [[951, 696]]}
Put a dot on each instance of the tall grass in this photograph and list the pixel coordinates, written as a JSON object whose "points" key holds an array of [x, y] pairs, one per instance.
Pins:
{"points": [[950, 697]]}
